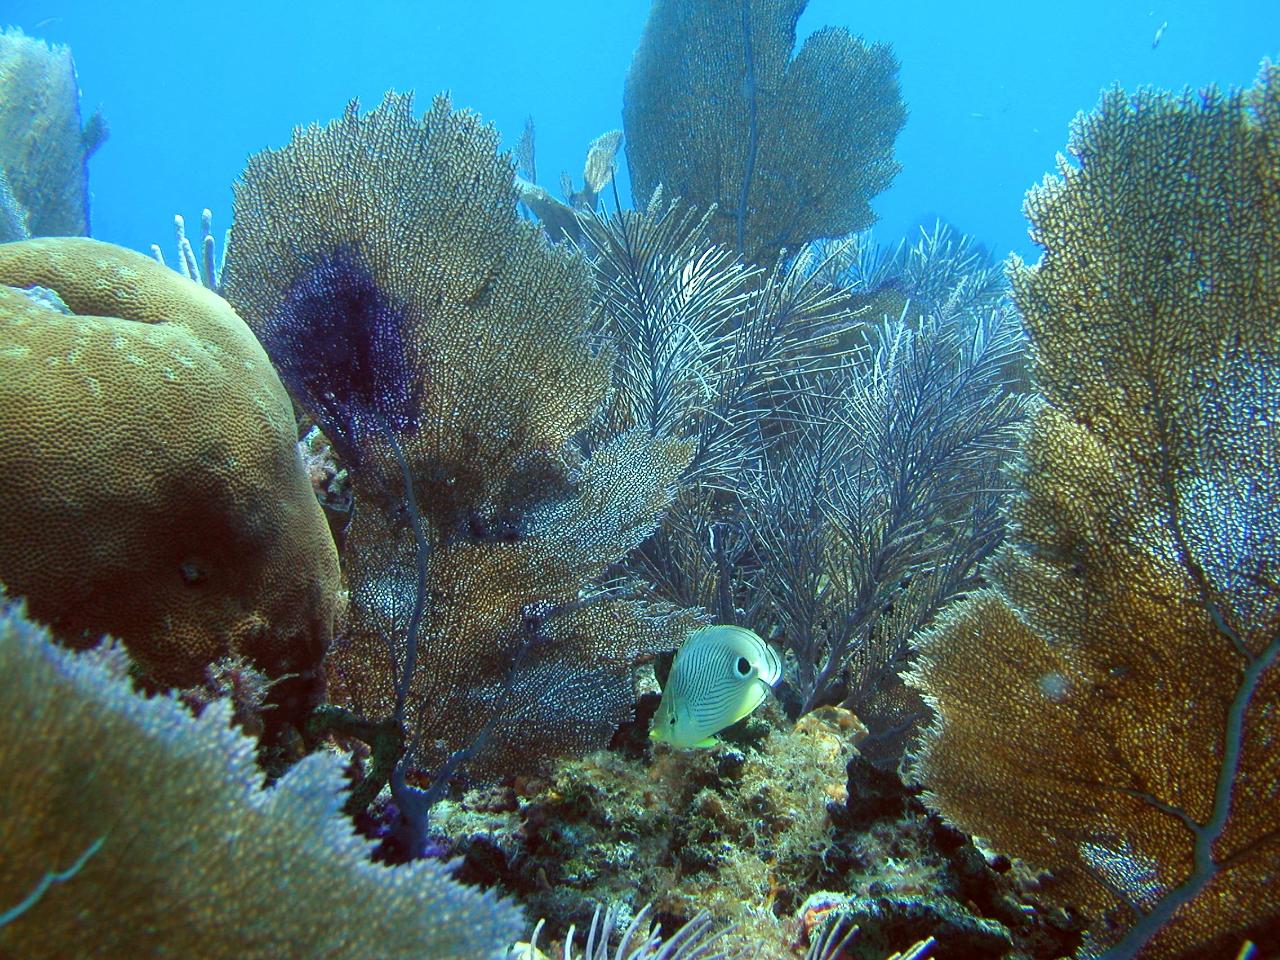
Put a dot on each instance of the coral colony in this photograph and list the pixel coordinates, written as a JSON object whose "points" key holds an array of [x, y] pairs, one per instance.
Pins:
{"points": [[393, 516]]}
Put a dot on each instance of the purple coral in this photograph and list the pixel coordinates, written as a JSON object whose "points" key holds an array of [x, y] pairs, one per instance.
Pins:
{"points": [[339, 343]]}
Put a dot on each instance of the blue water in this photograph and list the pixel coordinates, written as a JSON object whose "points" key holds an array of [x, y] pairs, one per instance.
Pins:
{"points": [[190, 90]]}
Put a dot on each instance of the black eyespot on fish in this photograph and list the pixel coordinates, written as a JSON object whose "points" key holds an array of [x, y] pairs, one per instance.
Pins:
{"points": [[743, 666]]}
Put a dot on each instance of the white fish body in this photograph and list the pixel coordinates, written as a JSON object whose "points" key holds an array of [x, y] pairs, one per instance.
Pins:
{"points": [[719, 675]]}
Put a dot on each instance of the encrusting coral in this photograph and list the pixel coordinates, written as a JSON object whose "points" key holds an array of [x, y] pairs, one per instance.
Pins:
{"points": [[789, 148], [155, 489], [188, 855], [441, 344], [43, 149], [1108, 709]]}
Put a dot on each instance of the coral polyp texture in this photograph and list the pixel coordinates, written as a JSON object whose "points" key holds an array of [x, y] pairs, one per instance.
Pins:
{"points": [[789, 148], [43, 148], [1108, 709], [188, 855], [441, 343], [149, 451]]}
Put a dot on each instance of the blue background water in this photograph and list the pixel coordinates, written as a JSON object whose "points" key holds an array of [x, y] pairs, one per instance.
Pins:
{"points": [[190, 90]]}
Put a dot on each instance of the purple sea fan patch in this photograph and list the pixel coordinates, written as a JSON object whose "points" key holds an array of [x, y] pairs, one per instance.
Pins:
{"points": [[339, 343]]}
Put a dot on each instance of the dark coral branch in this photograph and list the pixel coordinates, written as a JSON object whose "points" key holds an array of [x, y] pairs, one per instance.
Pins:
{"points": [[1206, 867]]}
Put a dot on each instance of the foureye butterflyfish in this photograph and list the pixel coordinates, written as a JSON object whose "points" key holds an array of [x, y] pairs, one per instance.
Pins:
{"points": [[719, 675]]}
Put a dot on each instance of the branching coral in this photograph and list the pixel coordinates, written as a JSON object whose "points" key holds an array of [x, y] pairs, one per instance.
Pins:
{"points": [[1108, 710], [943, 272], [190, 855], [788, 148], [43, 149], [150, 455], [701, 339], [880, 506], [704, 346], [877, 496], [441, 344], [560, 218]]}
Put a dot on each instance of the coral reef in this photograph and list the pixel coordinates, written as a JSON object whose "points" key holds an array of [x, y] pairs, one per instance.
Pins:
{"points": [[441, 344], [747, 832], [788, 148], [1108, 709], [190, 856], [43, 149], [155, 489]]}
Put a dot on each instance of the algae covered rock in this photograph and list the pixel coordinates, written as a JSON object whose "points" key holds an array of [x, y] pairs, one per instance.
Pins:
{"points": [[154, 487]]}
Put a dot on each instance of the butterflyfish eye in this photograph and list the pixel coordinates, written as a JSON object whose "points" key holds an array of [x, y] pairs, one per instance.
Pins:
{"points": [[744, 666]]}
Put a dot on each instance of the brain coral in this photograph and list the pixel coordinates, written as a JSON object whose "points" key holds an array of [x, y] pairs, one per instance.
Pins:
{"points": [[154, 488]]}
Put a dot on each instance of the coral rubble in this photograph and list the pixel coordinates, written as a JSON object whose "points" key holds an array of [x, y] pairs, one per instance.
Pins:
{"points": [[748, 832]]}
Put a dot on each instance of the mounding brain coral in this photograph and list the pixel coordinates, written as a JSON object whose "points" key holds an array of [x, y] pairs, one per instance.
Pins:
{"points": [[154, 488], [187, 855]]}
